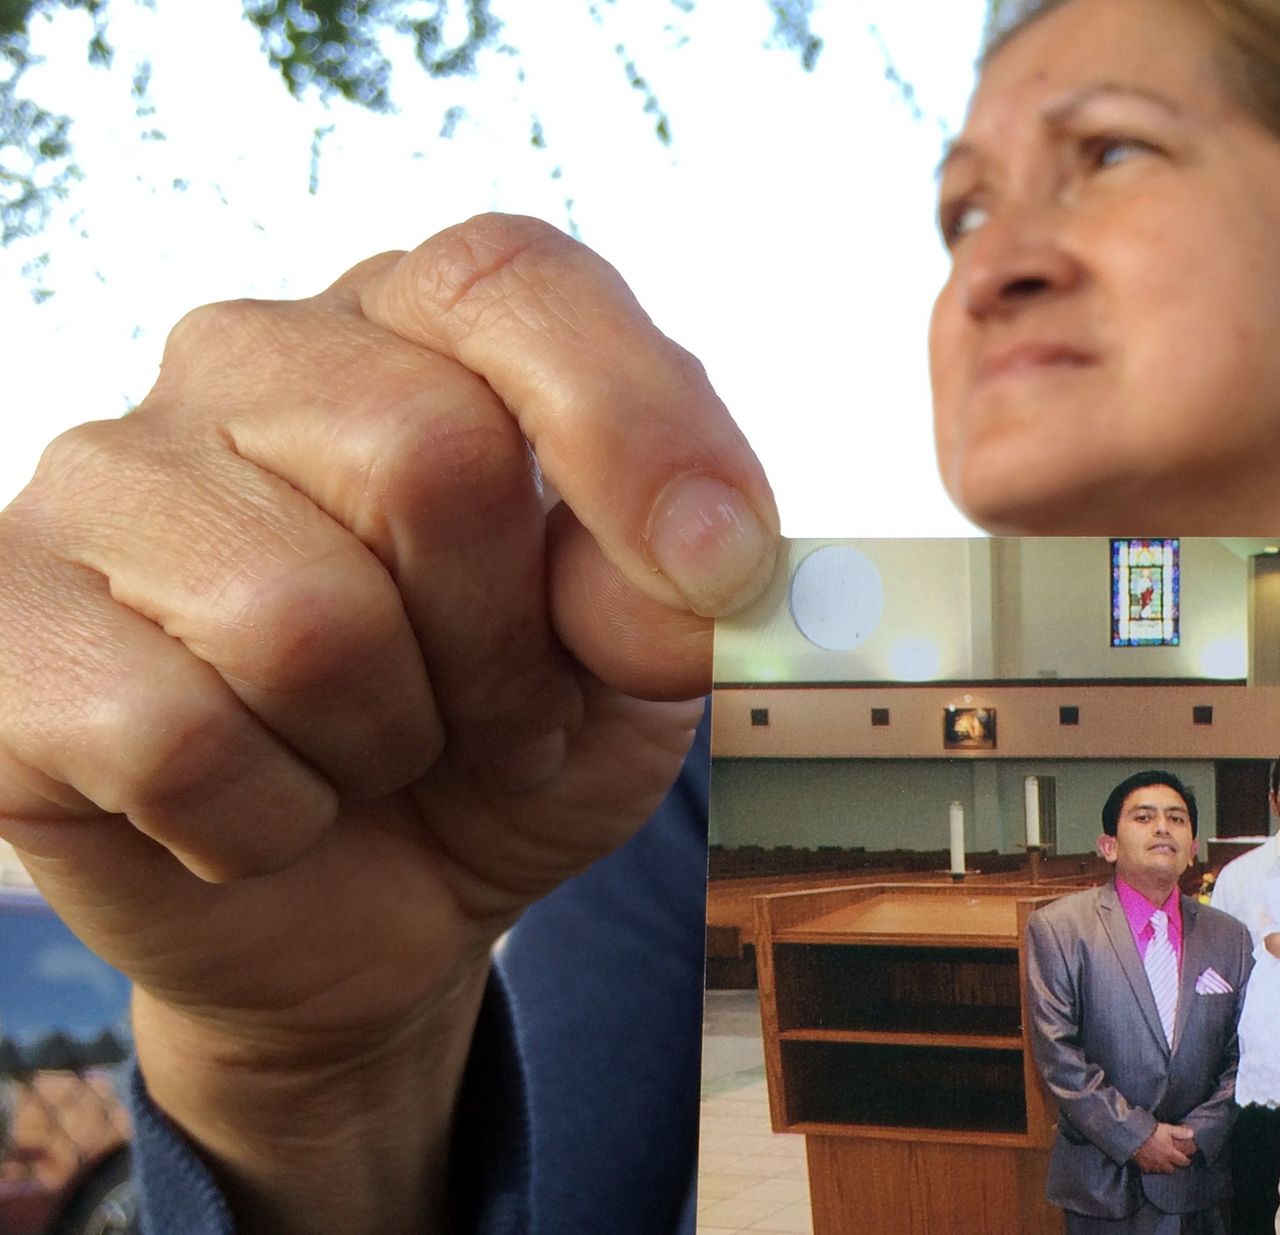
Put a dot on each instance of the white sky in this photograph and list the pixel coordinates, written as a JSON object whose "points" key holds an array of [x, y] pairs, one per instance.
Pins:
{"points": [[786, 235]]}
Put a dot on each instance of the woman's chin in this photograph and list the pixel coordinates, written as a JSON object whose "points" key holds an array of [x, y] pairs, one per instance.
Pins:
{"points": [[1021, 502]]}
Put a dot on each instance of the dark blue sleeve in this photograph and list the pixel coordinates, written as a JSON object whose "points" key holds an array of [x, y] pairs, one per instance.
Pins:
{"points": [[176, 1191], [606, 977], [489, 1173], [579, 1109]]}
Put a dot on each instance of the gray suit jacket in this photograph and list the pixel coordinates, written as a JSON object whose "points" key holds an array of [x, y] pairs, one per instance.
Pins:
{"points": [[1098, 1044]]}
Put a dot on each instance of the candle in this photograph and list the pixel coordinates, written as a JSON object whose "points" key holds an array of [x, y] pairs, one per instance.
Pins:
{"points": [[957, 838], [1032, 788]]}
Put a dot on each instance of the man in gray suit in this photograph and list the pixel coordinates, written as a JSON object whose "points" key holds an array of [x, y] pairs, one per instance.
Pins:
{"points": [[1134, 993]]}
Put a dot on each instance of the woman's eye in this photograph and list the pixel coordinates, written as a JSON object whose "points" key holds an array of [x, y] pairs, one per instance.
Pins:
{"points": [[961, 219], [1103, 152]]}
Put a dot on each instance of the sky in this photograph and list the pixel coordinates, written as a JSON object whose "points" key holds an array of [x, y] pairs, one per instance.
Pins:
{"points": [[785, 234]]}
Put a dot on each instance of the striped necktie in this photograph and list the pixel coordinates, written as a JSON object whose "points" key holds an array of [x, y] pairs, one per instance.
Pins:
{"points": [[1161, 964]]}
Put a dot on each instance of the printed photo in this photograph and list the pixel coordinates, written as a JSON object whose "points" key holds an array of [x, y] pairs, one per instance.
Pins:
{"points": [[887, 913]]}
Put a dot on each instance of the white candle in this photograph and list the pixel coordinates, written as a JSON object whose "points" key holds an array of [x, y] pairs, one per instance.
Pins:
{"points": [[1032, 787], [957, 838]]}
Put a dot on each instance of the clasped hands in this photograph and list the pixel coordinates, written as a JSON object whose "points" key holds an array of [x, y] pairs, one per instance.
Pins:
{"points": [[1169, 1148]]}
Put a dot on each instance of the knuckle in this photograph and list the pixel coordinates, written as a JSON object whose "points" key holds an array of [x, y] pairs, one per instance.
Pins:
{"points": [[154, 751], [219, 334], [447, 472], [85, 475], [304, 631], [82, 452], [164, 758], [350, 282], [465, 264]]}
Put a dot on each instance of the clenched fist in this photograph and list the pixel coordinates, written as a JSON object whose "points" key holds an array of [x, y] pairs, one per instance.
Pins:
{"points": [[310, 684]]}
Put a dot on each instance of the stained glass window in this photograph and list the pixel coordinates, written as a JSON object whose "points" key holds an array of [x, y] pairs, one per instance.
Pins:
{"points": [[1144, 593]]}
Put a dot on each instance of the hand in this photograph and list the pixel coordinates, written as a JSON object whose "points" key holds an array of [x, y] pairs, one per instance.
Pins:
{"points": [[307, 697], [1272, 943], [1169, 1148]]}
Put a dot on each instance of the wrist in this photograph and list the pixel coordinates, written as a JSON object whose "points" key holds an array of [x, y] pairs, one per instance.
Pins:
{"points": [[309, 1136]]}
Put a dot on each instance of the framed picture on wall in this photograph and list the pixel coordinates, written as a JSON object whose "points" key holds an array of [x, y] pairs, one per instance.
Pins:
{"points": [[968, 728]]}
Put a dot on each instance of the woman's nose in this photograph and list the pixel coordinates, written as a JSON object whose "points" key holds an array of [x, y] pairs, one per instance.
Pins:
{"points": [[1012, 261]]}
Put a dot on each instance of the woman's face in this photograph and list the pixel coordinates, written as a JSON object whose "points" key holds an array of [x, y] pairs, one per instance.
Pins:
{"points": [[1106, 351]]}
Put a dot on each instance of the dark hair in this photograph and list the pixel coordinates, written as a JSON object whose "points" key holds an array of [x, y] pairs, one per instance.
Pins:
{"points": [[1249, 53], [1140, 780], [1275, 777]]}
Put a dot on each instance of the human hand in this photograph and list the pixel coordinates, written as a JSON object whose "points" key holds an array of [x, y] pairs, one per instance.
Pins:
{"points": [[306, 697], [1169, 1148], [1272, 943]]}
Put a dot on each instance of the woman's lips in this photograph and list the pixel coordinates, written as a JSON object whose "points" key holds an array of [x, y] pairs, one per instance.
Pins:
{"points": [[1032, 358]]}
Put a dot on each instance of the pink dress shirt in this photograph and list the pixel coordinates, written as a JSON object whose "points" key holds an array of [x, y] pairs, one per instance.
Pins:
{"points": [[1138, 911]]}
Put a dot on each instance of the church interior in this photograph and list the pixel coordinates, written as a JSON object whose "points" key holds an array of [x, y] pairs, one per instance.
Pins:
{"points": [[911, 744]]}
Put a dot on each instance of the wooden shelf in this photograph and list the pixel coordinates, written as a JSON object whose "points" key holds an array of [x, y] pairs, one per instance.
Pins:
{"points": [[966, 917], [900, 1006], [911, 1136], [989, 1042], [878, 987], [895, 1040], [891, 1085]]}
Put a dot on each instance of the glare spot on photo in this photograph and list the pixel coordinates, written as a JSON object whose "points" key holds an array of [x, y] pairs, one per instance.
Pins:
{"points": [[915, 660], [1225, 658]]}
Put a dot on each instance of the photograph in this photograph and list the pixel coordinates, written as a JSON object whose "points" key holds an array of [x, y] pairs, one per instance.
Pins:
{"points": [[968, 728], [892, 921]]}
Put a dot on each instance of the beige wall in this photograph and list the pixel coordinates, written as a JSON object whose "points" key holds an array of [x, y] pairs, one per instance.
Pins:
{"points": [[927, 598], [821, 774], [1264, 619], [1052, 605], [982, 609], [1115, 721]]}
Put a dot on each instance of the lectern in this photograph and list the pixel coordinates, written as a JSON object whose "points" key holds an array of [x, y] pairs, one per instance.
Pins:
{"points": [[895, 1033]]}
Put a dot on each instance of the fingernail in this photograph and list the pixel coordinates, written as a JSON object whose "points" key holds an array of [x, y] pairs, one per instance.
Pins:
{"points": [[711, 544]]}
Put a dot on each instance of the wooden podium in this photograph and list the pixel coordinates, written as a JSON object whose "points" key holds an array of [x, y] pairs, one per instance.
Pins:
{"points": [[895, 1040]]}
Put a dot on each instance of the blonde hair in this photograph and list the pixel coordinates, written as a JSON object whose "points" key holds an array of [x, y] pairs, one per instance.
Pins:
{"points": [[1249, 51]]}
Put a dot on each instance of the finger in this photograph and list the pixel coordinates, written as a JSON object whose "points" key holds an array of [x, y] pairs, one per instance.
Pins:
{"points": [[624, 423], [626, 639], [105, 714], [578, 816], [420, 460], [298, 617]]}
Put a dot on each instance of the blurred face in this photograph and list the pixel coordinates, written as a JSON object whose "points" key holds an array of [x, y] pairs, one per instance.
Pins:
{"points": [[1153, 843], [1104, 353]]}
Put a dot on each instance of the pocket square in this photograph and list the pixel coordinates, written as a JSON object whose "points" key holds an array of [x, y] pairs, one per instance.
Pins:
{"points": [[1211, 982]]}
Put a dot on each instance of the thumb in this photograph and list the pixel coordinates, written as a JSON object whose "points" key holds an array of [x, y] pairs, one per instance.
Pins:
{"points": [[624, 423]]}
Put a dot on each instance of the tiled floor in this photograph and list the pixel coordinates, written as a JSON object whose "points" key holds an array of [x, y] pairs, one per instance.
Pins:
{"points": [[751, 1181]]}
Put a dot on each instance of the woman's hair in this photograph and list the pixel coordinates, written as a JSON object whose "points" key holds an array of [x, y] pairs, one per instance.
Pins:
{"points": [[1249, 53]]}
